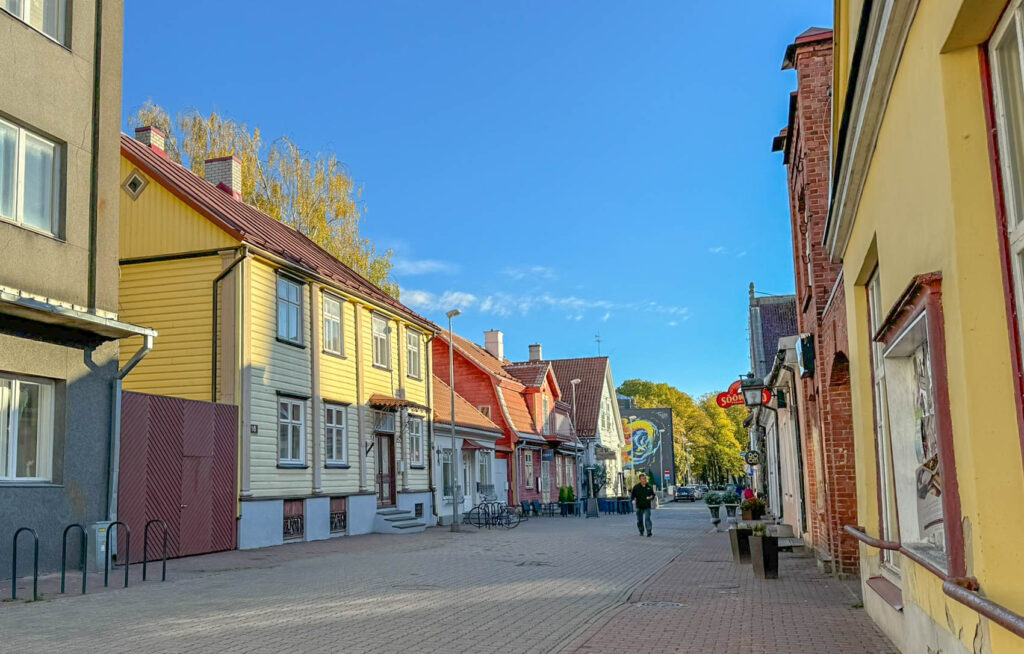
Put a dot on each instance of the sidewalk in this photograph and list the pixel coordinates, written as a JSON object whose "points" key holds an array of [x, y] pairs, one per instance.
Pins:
{"points": [[702, 602]]}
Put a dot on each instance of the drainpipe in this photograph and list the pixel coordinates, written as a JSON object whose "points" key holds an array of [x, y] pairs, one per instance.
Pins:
{"points": [[430, 427], [314, 371], [358, 320], [243, 251], [95, 156], [114, 461]]}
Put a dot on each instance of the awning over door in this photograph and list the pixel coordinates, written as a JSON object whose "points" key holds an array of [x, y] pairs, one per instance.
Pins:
{"points": [[382, 401]]}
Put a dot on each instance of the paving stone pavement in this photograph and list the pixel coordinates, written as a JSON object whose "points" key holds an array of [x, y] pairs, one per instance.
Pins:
{"points": [[553, 584]]}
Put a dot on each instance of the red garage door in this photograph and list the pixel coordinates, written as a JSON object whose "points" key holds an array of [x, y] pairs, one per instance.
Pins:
{"points": [[178, 463]]}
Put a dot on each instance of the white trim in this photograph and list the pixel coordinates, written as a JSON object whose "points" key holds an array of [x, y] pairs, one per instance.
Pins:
{"points": [[290, 304], [341, 410], [21, 136], [374, 337], [45, 427], [324, 299], [301, 423], [884, 43]]}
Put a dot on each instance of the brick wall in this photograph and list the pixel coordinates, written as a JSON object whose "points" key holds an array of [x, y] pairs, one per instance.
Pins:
{"points": [[825, 417]]}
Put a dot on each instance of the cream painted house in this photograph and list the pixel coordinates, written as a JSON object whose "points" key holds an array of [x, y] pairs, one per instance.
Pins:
{"points": [[330, 374]]}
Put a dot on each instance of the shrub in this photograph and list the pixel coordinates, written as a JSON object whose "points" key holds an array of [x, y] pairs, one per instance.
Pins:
{"points": [[713, 498], [753, 504], [728, 497]]}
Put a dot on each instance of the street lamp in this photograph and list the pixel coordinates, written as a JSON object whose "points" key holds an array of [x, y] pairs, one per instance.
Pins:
{"points": [[753, 390], [456, 450]]}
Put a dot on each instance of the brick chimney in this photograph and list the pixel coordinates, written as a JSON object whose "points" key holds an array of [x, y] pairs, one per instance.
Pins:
{"points": [[535, 353], [226, 174], [152, 137], [494, 342]]}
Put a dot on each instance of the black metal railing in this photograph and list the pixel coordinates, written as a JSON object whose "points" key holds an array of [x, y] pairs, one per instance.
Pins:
{"points": [[145, 548], [35, 564], [127, 552], [84, 545]]}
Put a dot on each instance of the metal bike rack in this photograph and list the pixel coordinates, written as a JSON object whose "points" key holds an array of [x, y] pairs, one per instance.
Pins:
{"points": [[127, 551], [64, 555], [35, 564], [145, 548]]}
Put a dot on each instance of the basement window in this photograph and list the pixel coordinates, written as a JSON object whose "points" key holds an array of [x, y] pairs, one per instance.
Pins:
{"points": [[134, 185]]}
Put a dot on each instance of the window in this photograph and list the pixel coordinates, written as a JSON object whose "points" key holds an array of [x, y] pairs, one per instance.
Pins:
{"points": [[569, 466], [418, 509], [484, 480], [30, 179], [332, 326], [413, 353], [416, 442], [447, 473], [558, 470], [335, 433], [339, 515], [134, 185], [485, 409], [547, 416], [291, 430], [294, 519], [381, 342], [289, 310], [889, 529], [47, 16], [528, 468], [26, 429]]}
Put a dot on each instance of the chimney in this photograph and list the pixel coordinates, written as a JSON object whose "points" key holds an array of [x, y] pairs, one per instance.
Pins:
{"points": [[152, 137], [494, 343], [535, 353], [226, 174]]}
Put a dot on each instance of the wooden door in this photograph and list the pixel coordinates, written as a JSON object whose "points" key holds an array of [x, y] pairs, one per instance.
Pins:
{"points": [[385, 470], [196, 506]]}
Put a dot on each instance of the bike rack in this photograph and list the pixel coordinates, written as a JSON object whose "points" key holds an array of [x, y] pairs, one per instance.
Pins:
{"points": [[64, 555], [145, 549], [35, 564], [127, 548]]}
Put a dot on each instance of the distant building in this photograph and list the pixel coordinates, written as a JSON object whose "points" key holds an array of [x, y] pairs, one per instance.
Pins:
{"points": [[771, 318]]}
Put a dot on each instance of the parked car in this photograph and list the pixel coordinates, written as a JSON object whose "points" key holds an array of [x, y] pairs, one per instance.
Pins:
{"points": [[688, 494]]}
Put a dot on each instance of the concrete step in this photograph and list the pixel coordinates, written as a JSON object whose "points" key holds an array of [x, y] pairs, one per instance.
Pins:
{"points": [[781, 530], [792, 544], [397, 521]]}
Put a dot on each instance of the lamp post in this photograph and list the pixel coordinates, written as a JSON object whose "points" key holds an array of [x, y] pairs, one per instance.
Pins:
{"points": [[575, 383], [456, 450]]}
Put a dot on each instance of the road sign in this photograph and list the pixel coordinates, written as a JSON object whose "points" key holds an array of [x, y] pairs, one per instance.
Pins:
{"points": [[753, 458]]}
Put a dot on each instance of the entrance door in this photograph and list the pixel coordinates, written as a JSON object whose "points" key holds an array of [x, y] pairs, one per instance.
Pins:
{"points": [[385, 470]]}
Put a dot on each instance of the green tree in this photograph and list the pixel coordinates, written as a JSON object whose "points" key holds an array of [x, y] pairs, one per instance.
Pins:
{"points": [[311, 192]]}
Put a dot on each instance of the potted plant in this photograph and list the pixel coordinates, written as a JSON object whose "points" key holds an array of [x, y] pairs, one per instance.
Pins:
{"points": [[739, 539], [731, 500], [713, 501], [753, 509], [764, 554]]}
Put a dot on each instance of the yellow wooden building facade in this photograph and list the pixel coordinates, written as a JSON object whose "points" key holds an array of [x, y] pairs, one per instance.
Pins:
{"points": [[331, 375]]}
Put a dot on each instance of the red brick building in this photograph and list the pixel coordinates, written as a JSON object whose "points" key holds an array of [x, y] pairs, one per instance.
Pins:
{"points": [[826, 423]]}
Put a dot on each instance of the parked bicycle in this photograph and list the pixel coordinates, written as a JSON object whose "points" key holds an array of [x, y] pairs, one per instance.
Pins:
{"points": [[493, 514]]}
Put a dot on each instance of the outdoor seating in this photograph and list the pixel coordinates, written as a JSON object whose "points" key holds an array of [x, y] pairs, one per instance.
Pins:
{"points": [[536, 508], [549, 508], [525, 510]]}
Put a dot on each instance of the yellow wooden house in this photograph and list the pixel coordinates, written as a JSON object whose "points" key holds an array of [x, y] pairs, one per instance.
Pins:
{"points": [[330, 375]]}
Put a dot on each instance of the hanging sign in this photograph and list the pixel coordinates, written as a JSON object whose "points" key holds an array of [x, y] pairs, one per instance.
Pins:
{"points": [[732, 397]]}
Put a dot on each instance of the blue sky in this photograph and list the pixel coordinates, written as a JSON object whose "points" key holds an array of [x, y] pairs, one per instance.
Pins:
{"points": [[557, 170]]}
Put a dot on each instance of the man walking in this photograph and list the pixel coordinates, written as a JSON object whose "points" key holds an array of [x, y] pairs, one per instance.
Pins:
{"points": [[642, 495]]}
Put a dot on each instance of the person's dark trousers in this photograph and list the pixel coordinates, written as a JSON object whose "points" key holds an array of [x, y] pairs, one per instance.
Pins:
{"points": [[643, 519]]}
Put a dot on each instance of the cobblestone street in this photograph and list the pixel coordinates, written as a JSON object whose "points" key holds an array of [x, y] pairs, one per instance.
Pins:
{"points": [[553, 584]]}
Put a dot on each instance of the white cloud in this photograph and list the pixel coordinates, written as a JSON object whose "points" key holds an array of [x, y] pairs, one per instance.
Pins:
{"points": [[522, 272], [606, 316], [428, 300], [718, 249], [574, 307], [422, 266], [672, 323], [741, 254]]}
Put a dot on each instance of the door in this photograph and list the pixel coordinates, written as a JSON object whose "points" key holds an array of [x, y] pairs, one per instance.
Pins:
{"points": [[545, 480], [469, 494], [196, 505], [385, 470]]}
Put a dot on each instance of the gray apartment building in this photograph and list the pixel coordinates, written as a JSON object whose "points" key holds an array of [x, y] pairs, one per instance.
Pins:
{"points": [[60, 99]]}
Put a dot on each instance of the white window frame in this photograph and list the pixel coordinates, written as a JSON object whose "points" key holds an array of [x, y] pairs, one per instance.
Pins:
{"points": [[286, 304], [415, 427], [380, 328], [558, 469], [23, 12], [10, 392], [483, 466], [336, 433], [333, 324], [886, 482], [447, 462], [293, 458], [528, 467], [414, 353], [21, 136]]}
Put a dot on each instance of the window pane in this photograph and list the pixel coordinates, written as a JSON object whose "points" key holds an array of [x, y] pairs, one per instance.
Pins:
{"points": [[282, 411], [38, 184], [27, 447], [5, 410], [1011, 106], [296, 412], [296, 442], [329, 443], [282, 438], [8, 169], [13, 6]]}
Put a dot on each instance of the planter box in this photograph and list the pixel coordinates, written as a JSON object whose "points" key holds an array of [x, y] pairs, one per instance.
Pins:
{"points": [[730, 510], [713, 508], [750, 514], [764, 555], [739, 539]]}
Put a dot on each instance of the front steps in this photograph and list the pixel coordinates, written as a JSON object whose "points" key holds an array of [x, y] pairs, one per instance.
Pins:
{"points": [[397, 521]]}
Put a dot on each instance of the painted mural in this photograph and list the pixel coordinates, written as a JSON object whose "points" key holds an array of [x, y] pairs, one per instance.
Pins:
{"points": [[649, 439]]}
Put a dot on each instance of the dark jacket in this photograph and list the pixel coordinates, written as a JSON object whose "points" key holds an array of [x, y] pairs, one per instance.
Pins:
{"points": [[643, 496]]}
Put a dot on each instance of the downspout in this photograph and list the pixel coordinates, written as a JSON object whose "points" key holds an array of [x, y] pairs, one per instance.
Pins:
{"points": [[242, 253], [314, 373], [430, 429], [114, 461], [799, 447], [358, 320], [95, 155]]}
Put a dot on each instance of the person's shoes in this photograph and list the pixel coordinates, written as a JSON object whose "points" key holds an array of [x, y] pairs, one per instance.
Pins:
{"points": [[648, 534], [641, 534]]}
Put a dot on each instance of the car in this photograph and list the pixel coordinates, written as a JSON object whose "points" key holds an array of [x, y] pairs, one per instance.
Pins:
{"points": [[687, 494]]}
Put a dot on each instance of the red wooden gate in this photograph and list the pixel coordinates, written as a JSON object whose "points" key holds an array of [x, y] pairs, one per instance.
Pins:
{"points": [[178, 463]]}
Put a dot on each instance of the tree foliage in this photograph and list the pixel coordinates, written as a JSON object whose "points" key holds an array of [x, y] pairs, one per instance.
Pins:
{"points": [[311, 192], [706, 438]]}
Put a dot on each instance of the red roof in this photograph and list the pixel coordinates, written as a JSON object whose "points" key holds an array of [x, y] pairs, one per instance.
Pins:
{"points": [[591, 373], [531, 373], [252, 226], [466, 415]]}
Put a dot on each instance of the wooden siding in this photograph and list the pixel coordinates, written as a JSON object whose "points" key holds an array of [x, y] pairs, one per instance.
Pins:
{"points": [[338, 386], [158, 223], [175, 298], [276, 366]]}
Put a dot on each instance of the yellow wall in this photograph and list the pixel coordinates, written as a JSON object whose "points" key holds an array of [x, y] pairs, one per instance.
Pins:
{"points": [[927, 206], [158, 223]]}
